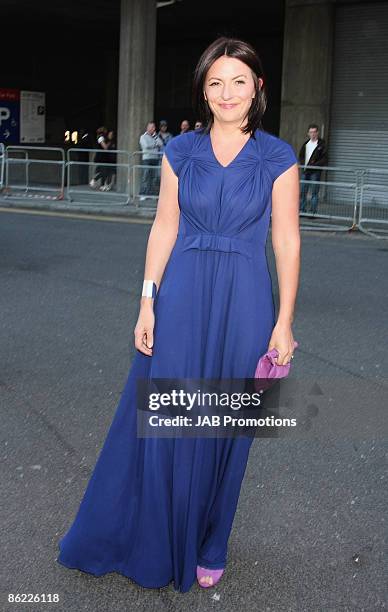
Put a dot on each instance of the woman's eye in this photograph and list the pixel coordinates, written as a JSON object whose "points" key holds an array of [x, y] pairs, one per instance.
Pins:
{"points": [[217, 83]]}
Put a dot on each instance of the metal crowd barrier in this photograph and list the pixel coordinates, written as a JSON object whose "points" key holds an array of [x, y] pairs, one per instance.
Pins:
{"points": [[346, 198], [21, 173], [87, 179], [145, 180], [12, 172], [337, 195], [373, 210]]}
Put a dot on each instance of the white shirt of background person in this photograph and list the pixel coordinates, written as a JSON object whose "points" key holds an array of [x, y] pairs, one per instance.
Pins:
{"points": [[310, 146]]}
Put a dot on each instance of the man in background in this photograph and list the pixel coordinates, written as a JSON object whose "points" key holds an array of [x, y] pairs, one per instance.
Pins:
{"points": [[151, 145], [185, 126], [312, 153], [164, 134]]}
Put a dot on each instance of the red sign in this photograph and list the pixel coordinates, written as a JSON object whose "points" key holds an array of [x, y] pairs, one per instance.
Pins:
{"points": [[13, 95]]}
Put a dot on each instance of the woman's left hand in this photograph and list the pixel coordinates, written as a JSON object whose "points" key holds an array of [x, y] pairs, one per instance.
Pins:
{"points": [[283, 340]]}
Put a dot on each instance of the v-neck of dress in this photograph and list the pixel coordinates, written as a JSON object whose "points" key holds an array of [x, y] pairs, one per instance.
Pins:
{"points": [[236, 156]]}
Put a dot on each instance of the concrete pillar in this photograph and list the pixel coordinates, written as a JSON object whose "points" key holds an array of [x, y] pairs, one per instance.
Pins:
{"points": [[136, 71], [307, 68]]}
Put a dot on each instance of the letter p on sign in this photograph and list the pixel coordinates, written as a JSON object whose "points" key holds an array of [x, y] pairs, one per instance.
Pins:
{"points": [[5, 114]]}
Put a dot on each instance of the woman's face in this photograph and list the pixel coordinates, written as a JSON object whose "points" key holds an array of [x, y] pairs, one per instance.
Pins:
{"points": [[229, 89]]}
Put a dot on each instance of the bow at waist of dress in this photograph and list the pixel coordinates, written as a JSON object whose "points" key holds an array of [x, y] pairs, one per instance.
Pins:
{"points": [[218, 242]]}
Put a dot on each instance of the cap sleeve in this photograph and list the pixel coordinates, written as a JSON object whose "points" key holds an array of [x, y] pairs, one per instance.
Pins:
{"points": [[177, 150], [280, 156]]}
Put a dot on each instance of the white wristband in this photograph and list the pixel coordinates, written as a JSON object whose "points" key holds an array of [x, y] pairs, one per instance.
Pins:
{"points": [[149, 289]]}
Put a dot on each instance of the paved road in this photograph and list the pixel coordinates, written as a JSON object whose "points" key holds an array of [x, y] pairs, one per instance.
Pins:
{"points": [[309, 530]]}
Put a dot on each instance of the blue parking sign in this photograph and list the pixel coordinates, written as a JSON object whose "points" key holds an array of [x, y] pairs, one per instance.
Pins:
{"points": [[9, 116]]}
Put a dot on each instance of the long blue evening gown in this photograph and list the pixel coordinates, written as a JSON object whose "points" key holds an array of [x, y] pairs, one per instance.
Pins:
{"points": [[154, 508]]}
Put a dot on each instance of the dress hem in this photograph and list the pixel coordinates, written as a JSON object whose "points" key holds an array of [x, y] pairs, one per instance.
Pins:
{"points": [[119, 570], [206, 565]]}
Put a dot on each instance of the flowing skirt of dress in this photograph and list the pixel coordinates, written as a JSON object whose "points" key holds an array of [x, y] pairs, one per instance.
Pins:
{"points": [[154, 508]]}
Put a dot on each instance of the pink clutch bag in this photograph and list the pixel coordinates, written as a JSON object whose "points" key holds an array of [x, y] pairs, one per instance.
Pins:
{"points": [[268, 370]]}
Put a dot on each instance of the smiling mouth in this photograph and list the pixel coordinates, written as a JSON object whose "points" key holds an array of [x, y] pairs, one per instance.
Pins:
{"points": [[228, 105]]}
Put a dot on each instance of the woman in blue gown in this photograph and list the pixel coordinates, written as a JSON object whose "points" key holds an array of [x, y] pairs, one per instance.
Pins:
{"points": [[157, 507]]}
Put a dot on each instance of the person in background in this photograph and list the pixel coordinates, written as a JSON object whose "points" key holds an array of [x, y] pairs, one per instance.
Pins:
{"points": [[198, 125], [151, 145], [164, 134], [185, 126], [312, 153], [100, 158]]}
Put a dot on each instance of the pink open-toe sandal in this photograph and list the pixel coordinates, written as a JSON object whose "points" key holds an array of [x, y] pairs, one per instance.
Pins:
{"points": [[208, 577]]}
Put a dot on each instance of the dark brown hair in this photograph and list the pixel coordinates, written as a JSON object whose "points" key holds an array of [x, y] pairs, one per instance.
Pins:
{"points": [[239, 49]]}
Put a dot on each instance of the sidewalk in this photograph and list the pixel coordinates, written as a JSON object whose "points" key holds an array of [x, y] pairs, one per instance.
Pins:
{"points": [[64, 206]]}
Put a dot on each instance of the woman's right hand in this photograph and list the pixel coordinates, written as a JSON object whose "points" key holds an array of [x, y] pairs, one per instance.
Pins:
{"points": [[144, 329]]}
